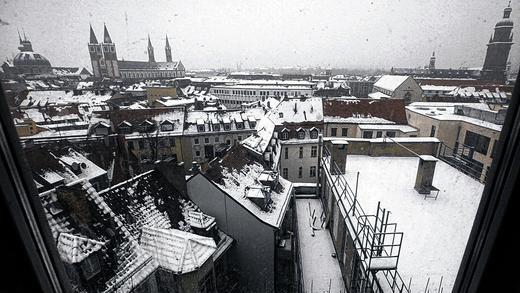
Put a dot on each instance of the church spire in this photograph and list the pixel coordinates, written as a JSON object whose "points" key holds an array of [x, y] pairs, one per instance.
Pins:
{"points": [[106, 36], [151, 57], [507, 10], [168, 50], [19, 37], [93, 39]]}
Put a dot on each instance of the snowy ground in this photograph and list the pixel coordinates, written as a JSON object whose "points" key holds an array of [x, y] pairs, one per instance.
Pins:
{"points": [[320, 269], [435, 231]]}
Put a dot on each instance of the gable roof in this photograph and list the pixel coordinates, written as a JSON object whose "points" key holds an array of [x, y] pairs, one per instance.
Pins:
{"points": [[176, 250], [74, 248], [391, 82]]}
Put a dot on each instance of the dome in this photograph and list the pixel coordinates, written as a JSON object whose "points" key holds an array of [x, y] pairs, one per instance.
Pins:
{"points": [[504, 22], [30, 59]]}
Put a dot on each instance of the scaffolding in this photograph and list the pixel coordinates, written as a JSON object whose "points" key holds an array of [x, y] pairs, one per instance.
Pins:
{"points": [[375, 242]]}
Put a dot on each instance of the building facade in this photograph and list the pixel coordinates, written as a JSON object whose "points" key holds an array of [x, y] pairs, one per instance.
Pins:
{"points": [[103, 57], [397, 87]]}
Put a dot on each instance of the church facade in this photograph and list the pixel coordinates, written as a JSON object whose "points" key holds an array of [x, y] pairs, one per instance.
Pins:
{"points": [[103, 57]]}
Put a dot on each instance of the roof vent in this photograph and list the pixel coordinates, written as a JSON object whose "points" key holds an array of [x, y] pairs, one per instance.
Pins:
{"points": [[425, 172]]}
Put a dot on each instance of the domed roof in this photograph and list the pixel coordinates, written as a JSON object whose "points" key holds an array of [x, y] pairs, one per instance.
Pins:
{"points": [[505, 22], [25, 58]]}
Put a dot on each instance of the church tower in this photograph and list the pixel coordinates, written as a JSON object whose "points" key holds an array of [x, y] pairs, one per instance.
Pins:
{"points": [[96, 55], [151, 56], [109, 66], [498, 48], [168, 50], [432, 62]]}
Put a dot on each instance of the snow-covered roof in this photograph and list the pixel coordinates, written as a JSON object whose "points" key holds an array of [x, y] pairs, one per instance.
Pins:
{"points": [[390, 82], [74, 248], [446, 111], [176, 250], [442, 88], [297, 111], [378, 96], [260, 140], [435, 231], [35, 98], [86, 168], [239, 171], [398, 127]]}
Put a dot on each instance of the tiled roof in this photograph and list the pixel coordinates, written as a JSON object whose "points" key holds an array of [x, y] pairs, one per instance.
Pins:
{"points": [[74, 249], [176, 250], [391, 109]]}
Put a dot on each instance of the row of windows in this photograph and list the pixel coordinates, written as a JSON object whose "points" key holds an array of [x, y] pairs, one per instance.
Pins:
{"points": [[165, 73], [144, 143], [216, 139], [312, 172], [254, 93], [370, 134], [301, 134], [334, 131], [227, 126], [314, 152]]}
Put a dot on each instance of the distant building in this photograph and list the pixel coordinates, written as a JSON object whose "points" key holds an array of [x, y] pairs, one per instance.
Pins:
{"points": [[105, 64], [397, 87], [498, 49]]}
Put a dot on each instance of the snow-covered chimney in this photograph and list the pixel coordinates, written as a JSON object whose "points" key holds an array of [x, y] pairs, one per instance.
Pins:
{"points": [[425, 172]]}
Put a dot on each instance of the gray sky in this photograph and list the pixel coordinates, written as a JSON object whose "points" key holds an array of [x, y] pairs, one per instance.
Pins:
{"points": [[257, 33]]}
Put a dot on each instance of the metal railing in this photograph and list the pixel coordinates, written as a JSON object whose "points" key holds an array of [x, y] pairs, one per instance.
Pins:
{"points": [[461, 158], [374, 238]]}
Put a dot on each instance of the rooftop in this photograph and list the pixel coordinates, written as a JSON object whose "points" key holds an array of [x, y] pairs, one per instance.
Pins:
{"points": [[390, 82], [446, 111], [431, 227], [297, 111], [382, 111]]}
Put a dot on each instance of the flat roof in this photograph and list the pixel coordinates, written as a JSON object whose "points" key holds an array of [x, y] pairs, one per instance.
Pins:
{"points": [[435, 231]]}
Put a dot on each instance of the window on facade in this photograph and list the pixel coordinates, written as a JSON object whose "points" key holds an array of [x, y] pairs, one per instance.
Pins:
{"points": [[200, 128], [314, 151], [196, 141], [344, 131], [239, 137], [285, 173], [285, 135], [432, 131], [206, 140], [367, 134], [314, 134], [166, 127], [300, 172], [301, 134], [379, 134], [227, 126], [217, 139], [172, 142], [312, 171], [479, 142], [252, 124], [390, 133], [240, 125], [216, 127], [301, 152], [141, 144], [333, 131], [286, 153]]}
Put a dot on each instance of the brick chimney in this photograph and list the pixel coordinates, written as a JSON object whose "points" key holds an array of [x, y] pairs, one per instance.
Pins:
{"points": [[425, 172], [174, 172]]}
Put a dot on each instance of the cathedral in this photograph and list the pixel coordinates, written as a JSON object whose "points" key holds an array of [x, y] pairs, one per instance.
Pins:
{"points": [[103, 57], [495, 63]]}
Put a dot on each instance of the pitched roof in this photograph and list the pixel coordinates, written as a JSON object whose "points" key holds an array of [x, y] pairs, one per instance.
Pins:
{"points": [[240, 170], [390, 82], [74, 248], [176, 250], [391, 109]]}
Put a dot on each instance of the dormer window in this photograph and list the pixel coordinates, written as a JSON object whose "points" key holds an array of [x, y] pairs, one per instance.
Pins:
{"points": [[240, 125], [280, 115], [145, 126], [227, 126], [216, 127], [284, 134], [314, 133], [301, 134], [167, 126], [200, 128]]}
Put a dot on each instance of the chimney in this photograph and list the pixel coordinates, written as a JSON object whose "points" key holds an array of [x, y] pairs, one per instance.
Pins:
{"points": [[175, 174], [425, 172], [338, 152]]}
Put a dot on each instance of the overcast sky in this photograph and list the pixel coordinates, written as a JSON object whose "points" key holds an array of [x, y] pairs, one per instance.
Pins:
{"points": [[263, 33]]}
